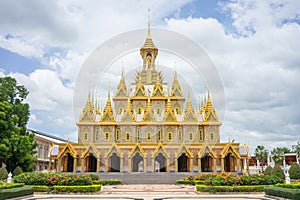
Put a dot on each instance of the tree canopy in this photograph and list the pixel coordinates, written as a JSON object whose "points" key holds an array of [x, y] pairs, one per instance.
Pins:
{"points": [[261, 154], [278, 154], [17, 145]]}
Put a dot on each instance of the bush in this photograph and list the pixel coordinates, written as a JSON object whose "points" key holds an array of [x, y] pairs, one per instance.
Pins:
{"points": [[17, 171], [277, 171], [268, 170], [283, 192], [41, 188], [94, 177], [190, 182], [3, 173], [294, 171], [11, 185], [108, 182], [15, 192], [250, 188], [75, 189], [292, 186], [53, 179]]}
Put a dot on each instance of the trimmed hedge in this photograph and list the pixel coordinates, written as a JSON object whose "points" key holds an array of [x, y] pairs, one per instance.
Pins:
{"points": [[15, 192], [75, 189], [283, 192], [11, 185], [291, 186], [190, 182], [53, 179], [108, 182], [213, 189], [41, 188]]}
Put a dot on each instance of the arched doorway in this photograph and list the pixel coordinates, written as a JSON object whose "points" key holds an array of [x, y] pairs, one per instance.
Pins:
{"points": [[70, 163], [137, 162], [161, 159], [114, 163], [206, 163], [229, 163], [91, 163], [183, 163]]}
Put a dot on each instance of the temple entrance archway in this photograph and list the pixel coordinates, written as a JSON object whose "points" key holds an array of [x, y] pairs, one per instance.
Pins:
{"points": [[161, 159], [183, 163], [114, 163], [137, 163], [91, 163], [70, 163], [206, 163], [229, 163]]}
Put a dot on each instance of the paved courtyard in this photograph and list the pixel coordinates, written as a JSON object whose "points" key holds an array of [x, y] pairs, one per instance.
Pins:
{"points": [[148, 192]]}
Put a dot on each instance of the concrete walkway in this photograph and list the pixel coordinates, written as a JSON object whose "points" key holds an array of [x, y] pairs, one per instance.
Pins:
{"points": [[148, 192]]}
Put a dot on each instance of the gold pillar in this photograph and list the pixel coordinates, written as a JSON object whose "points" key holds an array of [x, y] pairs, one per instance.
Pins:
{"points": [[98, 164], [238, 165], [106, 164], [50, 164], [82, 164], [191, 164], [145, 164], [215, 165], [153, 164], [121, 164], [129, 164], [222, 164], [199, 164], [167, 164], [176, 165], [74, 164], [58, 165]]}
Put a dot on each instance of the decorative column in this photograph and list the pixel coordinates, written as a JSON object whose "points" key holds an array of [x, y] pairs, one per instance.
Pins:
{"points": [[145, 164], [121, 164], [153, 164], [98, 164], [82, 164], [106, 165], [75, 164], [176, 165], [199, 164], [215, 165], [191, 164], [222, 164], [238, 165], [129, 164], [167, 164], [58, 164], [50, 162]]}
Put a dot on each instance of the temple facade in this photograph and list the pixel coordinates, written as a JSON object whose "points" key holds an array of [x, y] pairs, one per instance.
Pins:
{"points": [[148, 127]]}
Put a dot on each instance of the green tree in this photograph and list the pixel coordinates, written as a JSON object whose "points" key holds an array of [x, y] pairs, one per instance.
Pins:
{"points": [[296, 149], [294, 171], [277, 171], [261, 154], [17, 145], [3, 173], [278, 154], [268, 170], [17, 171]]}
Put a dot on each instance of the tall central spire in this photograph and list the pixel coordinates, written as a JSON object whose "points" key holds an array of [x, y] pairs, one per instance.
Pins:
{"points": [[148, 51]]}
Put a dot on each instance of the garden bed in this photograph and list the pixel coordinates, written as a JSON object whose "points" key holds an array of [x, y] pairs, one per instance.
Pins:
{"points": [[226, 189]]}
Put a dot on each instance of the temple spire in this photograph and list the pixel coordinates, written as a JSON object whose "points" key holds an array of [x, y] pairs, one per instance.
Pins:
{"points": [[149, 35]]}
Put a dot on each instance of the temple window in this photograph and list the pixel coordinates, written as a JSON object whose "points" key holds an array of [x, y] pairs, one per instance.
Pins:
{"points": [[148, 136], [127, 138], [106, 136], [158, 111], [191, 136], [85, 136], [180, 135], [170, 136], [118, 135], [200, 135], [159, 135], [138, 135], [139, 111], [211, 136], [97, 135]]}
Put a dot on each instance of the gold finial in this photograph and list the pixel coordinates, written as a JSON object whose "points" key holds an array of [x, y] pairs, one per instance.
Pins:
{"points": [[149, 35]]}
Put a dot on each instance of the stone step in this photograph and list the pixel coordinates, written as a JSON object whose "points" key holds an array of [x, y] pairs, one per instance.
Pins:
{"points": [[146, 177]]}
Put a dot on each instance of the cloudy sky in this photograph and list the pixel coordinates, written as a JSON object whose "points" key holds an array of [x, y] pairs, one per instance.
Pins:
{"points": [[255, 46]]}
